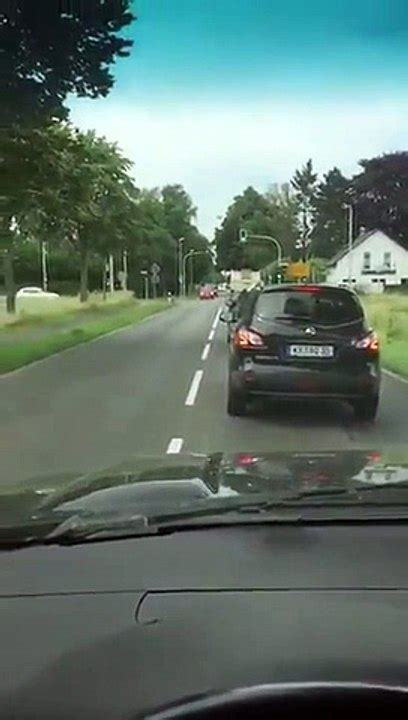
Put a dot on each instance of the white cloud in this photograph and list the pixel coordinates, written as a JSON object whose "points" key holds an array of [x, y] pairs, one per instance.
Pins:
{"points": [[216, 151]]}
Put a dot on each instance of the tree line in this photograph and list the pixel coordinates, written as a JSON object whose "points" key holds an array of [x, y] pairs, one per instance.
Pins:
{"points": [[308, 214], [69, 189]]}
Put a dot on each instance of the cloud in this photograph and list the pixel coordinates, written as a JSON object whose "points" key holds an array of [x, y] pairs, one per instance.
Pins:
{"points": [[216, 150]]}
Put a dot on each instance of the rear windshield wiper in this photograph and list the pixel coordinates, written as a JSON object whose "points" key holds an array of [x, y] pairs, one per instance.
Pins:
{"points": [[305, 318]]}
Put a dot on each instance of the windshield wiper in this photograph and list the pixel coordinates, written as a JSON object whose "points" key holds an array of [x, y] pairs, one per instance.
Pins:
{"points": [[303, 318], [75, 530]]}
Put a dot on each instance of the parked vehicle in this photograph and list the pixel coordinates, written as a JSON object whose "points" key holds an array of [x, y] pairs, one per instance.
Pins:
{"points": [[35, 292], [304, 341]]}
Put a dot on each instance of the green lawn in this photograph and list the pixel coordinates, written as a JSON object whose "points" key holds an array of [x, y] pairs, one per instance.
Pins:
{"points": [[389, 316], [39, 329]]}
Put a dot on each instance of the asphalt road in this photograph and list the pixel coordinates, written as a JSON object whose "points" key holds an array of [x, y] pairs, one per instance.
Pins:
{"points": [[161, 387]]}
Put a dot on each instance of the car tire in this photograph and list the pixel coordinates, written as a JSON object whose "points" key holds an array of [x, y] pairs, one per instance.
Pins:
{"points": [[366, 408], [236, 405]]}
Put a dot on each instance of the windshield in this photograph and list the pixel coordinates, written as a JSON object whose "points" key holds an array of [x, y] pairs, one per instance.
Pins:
{"points": [[203, 264]]}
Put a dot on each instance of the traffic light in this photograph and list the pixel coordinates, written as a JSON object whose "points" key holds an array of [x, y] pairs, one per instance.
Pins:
{"points": [[243, 235]]}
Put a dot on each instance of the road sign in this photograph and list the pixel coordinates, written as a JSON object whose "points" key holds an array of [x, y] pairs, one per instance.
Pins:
{"points": [[298, 270], [155, 271]]}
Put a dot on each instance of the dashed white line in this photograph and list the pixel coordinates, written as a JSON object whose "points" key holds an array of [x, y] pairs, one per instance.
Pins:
{"points": [[194, 388], [216, 320], [211, 336], [174, 446], [206, 351]]}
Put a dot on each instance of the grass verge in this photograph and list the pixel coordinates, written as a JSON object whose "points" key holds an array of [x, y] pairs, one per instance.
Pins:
{"points": [[388, 315], [37, 336]]}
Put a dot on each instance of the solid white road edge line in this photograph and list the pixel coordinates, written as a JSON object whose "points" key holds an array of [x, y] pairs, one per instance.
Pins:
{"points": [[206, 351], [174, 446], [194, 388], [395, 376]]}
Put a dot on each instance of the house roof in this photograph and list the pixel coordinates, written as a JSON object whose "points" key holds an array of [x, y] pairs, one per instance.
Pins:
{"points": [[358, 241]]}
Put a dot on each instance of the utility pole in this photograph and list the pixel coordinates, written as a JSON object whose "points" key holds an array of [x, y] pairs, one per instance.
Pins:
{"points": [[44, 255], [180, 265], [111, 274], [350, 231], [125, 270]]}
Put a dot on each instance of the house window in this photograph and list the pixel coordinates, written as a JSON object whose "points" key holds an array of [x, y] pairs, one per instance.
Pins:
{"points": [[387, 261], [366, 261]]}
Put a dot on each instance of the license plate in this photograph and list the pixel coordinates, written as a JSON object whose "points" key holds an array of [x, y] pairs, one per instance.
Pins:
{"points": [[311, 351]]}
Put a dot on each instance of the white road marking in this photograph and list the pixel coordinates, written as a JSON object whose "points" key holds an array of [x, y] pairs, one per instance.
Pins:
{"points": [[206, 351], [194, 388], [395, 376], [216, 320], [211, 336], [174, 446]]}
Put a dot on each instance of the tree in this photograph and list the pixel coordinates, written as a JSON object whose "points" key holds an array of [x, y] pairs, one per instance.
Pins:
{"points": [[329, 231], [304, 185], [54, 48], [380, 194], [50, 49], [29, 163], [93, 205], [273, 214]]}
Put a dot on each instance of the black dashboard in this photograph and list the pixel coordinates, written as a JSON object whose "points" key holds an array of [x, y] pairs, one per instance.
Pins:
{"points": [[114, 629]]}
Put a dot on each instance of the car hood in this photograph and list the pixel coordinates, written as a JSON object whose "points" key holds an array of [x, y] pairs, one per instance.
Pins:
{"points": [[148, 485]]}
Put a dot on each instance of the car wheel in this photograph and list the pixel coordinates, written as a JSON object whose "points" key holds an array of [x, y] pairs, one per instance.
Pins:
{"points": [[236, 404], [366, 408]]}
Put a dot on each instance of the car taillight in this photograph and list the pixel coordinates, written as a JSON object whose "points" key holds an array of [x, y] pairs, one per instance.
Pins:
{"points": [[248, 339], [307, 288], [368, 342]]}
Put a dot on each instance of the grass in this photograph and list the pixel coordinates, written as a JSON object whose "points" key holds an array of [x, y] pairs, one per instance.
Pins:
{"points": [[29, 311], [37, 332], [389, 316]]}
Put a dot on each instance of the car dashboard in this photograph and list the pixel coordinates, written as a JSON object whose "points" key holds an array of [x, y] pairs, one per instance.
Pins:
{"points": [[119, 629]]}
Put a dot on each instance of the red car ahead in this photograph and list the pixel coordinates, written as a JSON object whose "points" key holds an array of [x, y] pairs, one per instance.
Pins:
{"points": [[207, 293]]}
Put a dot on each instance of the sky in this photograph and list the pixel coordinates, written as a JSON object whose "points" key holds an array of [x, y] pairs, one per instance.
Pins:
{"points": [[222, 94]]}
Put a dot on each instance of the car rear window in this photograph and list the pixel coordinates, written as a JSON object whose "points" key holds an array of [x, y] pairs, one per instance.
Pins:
{"points": [[322, 306]]}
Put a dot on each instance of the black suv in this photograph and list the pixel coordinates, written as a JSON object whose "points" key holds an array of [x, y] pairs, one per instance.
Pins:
{"points": [[304, 341]]}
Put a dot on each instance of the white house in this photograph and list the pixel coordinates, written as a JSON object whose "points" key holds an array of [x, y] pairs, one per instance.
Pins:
{"points": [[374, 262]]}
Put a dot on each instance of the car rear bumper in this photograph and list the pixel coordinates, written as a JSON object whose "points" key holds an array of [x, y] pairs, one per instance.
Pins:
{"points": [[284, 381]]}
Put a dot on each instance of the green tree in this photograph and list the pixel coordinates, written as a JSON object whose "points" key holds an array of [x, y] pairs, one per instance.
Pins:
{"points": [[51, 48], [93, 206], [54, 48], [380, 194], [329, 231], [272, 214], [304, 185], [30, 162]]}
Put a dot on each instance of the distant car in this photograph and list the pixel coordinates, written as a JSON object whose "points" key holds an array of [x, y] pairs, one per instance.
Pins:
{"points": [[304, 341], [35, 292], [207, 293]]}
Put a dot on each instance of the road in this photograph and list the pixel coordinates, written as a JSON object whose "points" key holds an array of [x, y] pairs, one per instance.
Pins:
{"points": [[161, 387]]}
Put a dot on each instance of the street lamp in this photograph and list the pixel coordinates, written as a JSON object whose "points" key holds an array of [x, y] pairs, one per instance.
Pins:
{"points": [[145, 276], [244, 236], [350, 215], [191, 254]]}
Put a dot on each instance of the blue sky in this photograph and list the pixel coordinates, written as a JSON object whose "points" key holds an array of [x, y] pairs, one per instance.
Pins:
{"points": [[219, 94]]}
